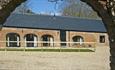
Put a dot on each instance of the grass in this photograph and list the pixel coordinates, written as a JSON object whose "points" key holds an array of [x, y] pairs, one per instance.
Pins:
{"points": [[48, 49]]}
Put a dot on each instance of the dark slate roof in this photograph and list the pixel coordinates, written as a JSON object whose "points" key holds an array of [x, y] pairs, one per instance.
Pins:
{"points": [[55, 23]]}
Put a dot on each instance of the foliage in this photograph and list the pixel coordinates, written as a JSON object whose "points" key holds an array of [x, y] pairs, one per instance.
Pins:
{"points": [[23, 8], [77, 9]]}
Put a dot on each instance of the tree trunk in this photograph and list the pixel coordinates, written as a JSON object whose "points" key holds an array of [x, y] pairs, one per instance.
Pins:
{"points": [[109, 23], [112, 46]]}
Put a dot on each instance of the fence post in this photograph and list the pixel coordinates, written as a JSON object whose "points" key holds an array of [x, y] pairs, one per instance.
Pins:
{"points": [[24, 45], [60, 47], [94, 47]]}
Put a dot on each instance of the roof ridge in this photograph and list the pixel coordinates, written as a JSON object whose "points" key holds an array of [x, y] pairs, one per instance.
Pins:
{"points": [[70, 17]]}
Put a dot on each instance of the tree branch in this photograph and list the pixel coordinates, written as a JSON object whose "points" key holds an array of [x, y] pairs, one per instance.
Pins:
{"points": [[102, 11], [6, 7]]}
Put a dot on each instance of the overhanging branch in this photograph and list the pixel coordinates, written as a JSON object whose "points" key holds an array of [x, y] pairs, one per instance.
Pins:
{"points": [[6, 7]]}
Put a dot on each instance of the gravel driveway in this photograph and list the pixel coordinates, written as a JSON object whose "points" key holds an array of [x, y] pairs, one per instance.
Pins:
{"points": [[20, 60]]}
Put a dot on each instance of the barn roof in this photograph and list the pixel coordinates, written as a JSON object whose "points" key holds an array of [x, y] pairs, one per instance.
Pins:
{"points": [[54, 23]]}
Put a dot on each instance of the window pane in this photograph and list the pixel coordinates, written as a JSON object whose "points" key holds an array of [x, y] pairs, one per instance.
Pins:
{"points": [[13, 40], [102, 39]]}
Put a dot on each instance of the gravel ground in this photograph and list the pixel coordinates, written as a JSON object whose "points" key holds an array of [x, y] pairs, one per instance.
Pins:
{"points": [[20, 60]]}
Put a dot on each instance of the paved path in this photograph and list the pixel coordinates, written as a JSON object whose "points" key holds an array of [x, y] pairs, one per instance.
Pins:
{"points": [[21, 60]]}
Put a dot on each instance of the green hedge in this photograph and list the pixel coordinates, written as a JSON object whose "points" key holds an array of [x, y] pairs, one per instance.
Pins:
{"points": [[48, 50]]}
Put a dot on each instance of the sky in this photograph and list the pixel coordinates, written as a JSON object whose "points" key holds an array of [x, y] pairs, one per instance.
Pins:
{"points": [[43, 6]]}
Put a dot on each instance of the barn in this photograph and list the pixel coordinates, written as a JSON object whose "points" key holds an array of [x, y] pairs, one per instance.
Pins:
{"points": [[25, 30]]}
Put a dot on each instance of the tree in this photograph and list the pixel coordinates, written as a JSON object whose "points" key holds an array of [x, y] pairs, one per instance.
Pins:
{"points": [[23, 9], [6, 7], [104, 8], [77, 8]]}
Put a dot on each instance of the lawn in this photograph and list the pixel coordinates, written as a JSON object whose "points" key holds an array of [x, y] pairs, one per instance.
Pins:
{"points": [[13, 60]]}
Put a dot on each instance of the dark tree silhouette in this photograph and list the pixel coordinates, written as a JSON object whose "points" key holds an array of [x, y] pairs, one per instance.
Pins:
{"points": [[6, 7]]}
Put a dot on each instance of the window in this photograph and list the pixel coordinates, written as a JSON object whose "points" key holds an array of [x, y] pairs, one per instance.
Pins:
{"points": [[78, 39], [30, 40], [48, 39], [13, 40], [102, 39]]}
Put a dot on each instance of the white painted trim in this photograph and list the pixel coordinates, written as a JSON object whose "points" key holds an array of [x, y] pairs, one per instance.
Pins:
{"points": [[35, 41], [18, 43], [8, 41]]}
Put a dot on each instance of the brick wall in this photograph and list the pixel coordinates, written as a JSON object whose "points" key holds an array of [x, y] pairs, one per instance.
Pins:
{"points": [[22, 32], [87, 36]]}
